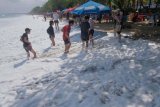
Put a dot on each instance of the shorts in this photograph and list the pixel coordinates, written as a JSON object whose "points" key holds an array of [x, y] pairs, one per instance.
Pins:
{"points": [[84, 36], [66, 42], [50, 36], [28, 48], [118, 28], [56, 21], [91, 32]]}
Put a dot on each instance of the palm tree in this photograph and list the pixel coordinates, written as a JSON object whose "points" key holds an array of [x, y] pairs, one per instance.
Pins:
{"points": [[121, 4]]}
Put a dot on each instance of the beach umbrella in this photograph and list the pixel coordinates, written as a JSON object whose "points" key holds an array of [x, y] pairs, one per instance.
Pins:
{"points": [[64, 10], [68, 10], [91, 7]]}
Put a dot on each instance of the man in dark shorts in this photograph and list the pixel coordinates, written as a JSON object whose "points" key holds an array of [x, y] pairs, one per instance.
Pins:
{"points": [[50, 32], [85, 31], [26, 44], [66, 30]]}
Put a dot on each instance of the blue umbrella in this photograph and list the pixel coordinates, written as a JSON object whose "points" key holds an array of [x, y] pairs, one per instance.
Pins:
{"points": [[91, 7]]}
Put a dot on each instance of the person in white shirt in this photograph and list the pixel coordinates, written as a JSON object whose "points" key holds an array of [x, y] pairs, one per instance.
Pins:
{"points": [[55, 18]]}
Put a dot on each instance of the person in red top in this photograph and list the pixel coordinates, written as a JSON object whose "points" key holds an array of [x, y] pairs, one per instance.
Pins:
{"points": [[66, 30]]}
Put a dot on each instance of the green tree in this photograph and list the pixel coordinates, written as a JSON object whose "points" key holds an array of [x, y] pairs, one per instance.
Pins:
{"points": [[36, 10], [121, 4]]}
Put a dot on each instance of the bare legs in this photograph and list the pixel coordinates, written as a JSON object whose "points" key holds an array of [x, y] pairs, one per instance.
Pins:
{"points": [[119, 37], [30, 49], [34, 53], [67, 47], [52, 40], [28, 55], [57, 26], [91, 40], [85, 44]]}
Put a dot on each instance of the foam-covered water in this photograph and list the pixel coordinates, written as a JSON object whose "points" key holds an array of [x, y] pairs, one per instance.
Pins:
{"points": [[10, 15]]}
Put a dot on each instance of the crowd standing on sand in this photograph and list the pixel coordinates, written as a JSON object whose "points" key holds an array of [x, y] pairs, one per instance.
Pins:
{"points": [[87, 32], [86, 24]]}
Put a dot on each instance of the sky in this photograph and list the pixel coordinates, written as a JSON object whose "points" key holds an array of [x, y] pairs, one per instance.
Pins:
{"points": [[19, 6]]}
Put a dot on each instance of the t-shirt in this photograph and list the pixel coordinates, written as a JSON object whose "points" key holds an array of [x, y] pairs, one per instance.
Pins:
{"points": [[85, 27], [55, 16], [50, 30], [66, 30], [25, 35]]}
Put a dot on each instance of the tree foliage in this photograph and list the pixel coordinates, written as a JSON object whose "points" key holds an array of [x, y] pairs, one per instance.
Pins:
{"points": [[36, 10], [51, 5]]}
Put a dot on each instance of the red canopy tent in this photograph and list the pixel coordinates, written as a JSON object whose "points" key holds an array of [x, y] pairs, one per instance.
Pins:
{"points": [[70, 9]]}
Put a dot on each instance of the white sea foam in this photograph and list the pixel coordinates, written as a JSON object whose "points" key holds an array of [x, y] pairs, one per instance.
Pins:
{"points": [[112, 74]]}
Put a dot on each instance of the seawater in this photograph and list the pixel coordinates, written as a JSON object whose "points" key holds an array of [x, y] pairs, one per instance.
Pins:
{"points": [[10, 15], [8, 18]]}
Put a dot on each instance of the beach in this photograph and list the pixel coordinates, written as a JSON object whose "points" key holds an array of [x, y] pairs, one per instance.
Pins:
{"points": [[13, 56], [111, 74]]}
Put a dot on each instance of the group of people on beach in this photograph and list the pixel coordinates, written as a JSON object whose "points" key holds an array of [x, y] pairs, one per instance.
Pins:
{"points": [[87, 32]]}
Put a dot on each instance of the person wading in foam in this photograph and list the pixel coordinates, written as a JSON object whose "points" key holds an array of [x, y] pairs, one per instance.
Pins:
{"points": [[50, 32], [26, 44], [66, 30], [85, 26]]}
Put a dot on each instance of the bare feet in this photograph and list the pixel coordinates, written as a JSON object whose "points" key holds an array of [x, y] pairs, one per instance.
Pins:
{"points": [[66, 52], [34, 57]]}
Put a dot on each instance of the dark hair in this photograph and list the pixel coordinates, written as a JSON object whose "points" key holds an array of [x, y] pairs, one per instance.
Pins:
{"points": [[51, 22], [86, 17], [27, 29], [71, 22]]}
